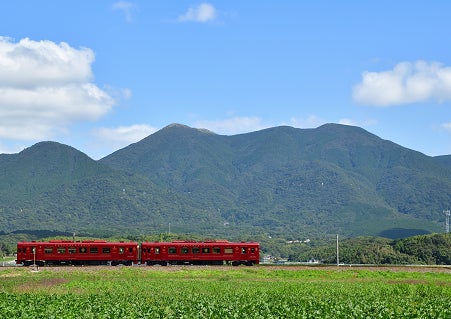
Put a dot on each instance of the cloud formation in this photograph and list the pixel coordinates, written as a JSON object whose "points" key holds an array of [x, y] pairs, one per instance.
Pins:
{"points": [[312, 121], [123, 135], [203, 13], [350, 122], [407, 83], [45, 86], [126, 7], [230, 126]]}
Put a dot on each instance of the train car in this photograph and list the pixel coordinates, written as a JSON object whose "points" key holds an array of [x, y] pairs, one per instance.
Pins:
{"points": [[66, 252], [200, 253]]}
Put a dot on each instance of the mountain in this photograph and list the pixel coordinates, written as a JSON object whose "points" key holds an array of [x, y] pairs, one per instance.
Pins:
{"points": [[444, 159], [280, 181], [333, 178], [51, 186]]}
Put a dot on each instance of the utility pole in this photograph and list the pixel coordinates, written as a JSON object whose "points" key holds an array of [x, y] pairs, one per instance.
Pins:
{"points": [[447, 214], [338, 258]]}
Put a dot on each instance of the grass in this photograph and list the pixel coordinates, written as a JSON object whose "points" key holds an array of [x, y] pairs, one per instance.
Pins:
{"points": [[224, 292]]}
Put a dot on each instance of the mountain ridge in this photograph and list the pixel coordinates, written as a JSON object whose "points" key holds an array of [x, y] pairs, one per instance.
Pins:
{"points": [[280, 180]]}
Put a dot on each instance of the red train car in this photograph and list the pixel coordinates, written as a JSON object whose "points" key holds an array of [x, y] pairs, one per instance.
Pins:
{"points": [[200, 253], [93, 252]]}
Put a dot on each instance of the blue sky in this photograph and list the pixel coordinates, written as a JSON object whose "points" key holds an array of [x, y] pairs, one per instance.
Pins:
{"points": [[100, 75]]}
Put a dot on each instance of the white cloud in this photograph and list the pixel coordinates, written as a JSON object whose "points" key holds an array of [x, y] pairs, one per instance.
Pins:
{"points": [[126, 7], [122, 136], [231, 126], [407, 83], [29, 63], [44, 87], [347, 122], [205, 12], [312, 121], [447, 126], [10, 148], [238, 125], [357, 123]]}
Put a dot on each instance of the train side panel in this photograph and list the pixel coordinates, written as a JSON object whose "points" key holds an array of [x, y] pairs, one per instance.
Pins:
{"points": [[77, 253], [200, 253]]}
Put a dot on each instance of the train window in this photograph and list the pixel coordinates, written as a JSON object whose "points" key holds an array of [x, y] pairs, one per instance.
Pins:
{"points": [[172, 250], [94, 250], [184, 250], [196, 250], [243, 250], [157, 250], [206, 250], [252, 250], [72, 250], [61, 250], [228, 250], [121, 250], [216, 250], [106, 250], [130, 249], [83, 250], [48, 250]]}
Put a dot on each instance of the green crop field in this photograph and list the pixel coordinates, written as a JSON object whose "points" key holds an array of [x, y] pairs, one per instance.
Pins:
{"points": [[224, 292]]}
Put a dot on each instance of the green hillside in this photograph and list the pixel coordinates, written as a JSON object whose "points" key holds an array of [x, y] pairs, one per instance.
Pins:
{"points": [[284, 180], [51, 186], [280, 182], [444, 160]]}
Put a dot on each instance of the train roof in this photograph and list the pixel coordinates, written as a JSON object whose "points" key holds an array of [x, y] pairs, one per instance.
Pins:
{"points": [[201, 242], [75, 242]]}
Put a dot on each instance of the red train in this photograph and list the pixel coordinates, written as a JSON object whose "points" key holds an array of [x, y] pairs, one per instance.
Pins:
{"points": [[100, 252], [93, 252], [200, 253]]}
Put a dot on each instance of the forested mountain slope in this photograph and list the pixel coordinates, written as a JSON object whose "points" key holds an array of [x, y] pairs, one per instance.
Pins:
{"points": [[280, 181], [331, 179], [51, 186]]}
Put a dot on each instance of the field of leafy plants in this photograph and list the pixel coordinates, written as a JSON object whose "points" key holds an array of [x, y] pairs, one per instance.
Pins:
{"points": [[223, 292]]}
